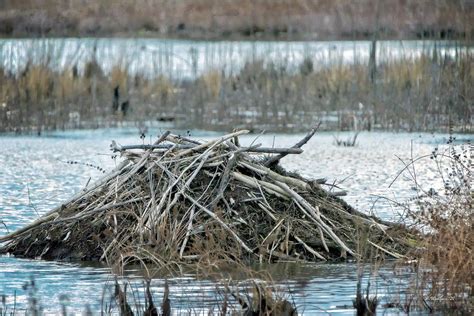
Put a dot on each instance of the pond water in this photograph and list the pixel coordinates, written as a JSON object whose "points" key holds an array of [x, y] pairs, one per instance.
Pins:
{"points": [[34, 177], [180, 59]]}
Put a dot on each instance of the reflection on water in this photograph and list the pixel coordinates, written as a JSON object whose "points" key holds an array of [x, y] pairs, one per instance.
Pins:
{"points": [[184, 59], [315, 288], [34, 177]]}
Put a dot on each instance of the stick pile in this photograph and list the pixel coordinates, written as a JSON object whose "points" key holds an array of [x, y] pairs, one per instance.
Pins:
{"points": [[181, 200]]}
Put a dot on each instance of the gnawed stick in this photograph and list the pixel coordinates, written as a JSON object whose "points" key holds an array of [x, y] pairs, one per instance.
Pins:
{"points": [[217, 219], [252, 149], [315, 216], [323, 240], [393, 254], [269, 187], [212, 143], [272, 231], [224, 181], [267, 171], [177, 139], [308, 248], [188, 232], [272, 161]]}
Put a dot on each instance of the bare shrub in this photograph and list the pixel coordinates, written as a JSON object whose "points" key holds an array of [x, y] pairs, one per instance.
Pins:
{"points": [[444, 256]]}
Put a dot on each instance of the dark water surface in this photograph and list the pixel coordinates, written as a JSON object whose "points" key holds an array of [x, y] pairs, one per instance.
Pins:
{"points": [[34, 177]]}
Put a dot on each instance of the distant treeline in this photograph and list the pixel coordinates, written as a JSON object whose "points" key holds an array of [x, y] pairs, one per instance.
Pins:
{"points": [[431, 92], [217, 19]]}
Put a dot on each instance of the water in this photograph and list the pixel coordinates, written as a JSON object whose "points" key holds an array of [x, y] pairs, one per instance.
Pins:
{"points": [[34, 177], [180, 59]]}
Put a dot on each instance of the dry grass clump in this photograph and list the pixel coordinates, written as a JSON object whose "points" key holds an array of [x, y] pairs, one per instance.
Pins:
{"points": [[213, 80], [437, 83], [39, 98], [181, 201]]}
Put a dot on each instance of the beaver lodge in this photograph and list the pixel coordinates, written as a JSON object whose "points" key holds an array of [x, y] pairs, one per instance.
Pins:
{"points": [[183, 201]]}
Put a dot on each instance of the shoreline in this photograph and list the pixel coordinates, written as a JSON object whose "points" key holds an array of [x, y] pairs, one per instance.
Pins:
{"points": [[240, 19], [305, 37], [462, 41], [139, 126]]}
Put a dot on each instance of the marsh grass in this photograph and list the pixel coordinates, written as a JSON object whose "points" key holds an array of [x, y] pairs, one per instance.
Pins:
{"points": [[39, 99], [351, 141], [430, 92]]}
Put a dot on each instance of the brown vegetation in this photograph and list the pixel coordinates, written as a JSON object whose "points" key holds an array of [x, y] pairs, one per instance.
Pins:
{"points": [[286, 19], [431, 92]]}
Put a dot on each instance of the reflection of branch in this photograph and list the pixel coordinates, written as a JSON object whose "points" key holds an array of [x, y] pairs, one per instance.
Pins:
{"points": [[3, 223], [168, 54]]}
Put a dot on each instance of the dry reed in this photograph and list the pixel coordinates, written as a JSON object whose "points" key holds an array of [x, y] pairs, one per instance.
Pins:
{"points": [[427, 93]]}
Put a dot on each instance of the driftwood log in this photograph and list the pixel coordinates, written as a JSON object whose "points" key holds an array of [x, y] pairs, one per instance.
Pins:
{"points": [[180, 200]]}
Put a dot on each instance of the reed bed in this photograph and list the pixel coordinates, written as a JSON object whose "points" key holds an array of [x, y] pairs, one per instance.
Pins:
{"points": [[426, 93], [182, 201]]}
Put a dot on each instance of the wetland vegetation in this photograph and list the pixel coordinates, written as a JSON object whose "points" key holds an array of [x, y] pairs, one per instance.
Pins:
{"points": [[226, 212], [427, 92]]}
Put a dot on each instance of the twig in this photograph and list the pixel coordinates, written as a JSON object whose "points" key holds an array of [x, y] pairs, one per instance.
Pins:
{"points": [[275, 159]]}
